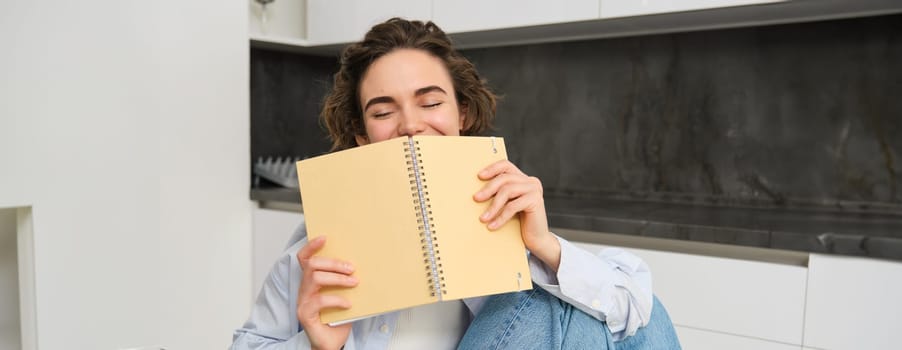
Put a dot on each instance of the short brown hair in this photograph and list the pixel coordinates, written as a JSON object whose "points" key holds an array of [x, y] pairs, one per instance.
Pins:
{"points": [[342, 115]]}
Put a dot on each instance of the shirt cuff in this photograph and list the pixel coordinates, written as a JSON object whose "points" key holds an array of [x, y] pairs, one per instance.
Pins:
{"points": [[613, 286]]}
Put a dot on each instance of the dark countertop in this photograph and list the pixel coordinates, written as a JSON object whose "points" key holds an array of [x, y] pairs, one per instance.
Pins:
{"points": [[276, 194], [843, 231]]}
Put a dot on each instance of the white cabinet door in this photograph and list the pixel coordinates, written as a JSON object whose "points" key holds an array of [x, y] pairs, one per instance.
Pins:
{"points": [[283, 19], [853, 303], [455, 16], [344, 21], [625, 8], [272, 229], [746, 298]]}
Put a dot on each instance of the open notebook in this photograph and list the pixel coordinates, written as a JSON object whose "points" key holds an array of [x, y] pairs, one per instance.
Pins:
{"points": [[402, 212]]}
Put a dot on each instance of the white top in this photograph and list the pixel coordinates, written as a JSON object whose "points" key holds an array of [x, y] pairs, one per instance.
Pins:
{"points": [[433, 326]]}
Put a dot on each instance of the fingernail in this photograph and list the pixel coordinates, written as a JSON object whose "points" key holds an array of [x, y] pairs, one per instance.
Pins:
{"points": [[349, 267], [493, 225], [484, 216]]}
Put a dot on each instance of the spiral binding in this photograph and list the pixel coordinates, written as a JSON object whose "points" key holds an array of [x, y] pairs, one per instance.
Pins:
{"points": [[425, 226]]}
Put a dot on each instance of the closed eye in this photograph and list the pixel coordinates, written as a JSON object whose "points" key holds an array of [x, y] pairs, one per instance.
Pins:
{"points": [[432, 105]]}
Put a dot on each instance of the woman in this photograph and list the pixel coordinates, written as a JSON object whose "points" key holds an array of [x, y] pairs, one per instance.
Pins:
{"points": [[404, 79]]}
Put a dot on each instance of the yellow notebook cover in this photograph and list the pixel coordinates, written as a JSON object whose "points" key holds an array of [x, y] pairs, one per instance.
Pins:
{"points": [[367, 201]]}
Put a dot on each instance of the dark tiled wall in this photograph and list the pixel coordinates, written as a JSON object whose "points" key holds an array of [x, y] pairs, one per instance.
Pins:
{"points": [[808, 112], [804, 111], [286, 95]]}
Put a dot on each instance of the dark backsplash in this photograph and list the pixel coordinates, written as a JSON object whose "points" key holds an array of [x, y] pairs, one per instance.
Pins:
{"points": [[793, 112], [286, 96], [807, 113]]}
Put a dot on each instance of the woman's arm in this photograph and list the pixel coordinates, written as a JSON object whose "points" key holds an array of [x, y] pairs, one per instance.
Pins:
{"points": [[614, 286]]}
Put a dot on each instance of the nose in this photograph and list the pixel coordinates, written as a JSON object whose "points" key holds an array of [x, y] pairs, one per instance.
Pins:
{"points": [[411, 123]]}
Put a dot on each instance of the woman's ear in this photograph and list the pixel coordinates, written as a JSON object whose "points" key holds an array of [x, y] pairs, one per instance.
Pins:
{"points": [[362, 140]]}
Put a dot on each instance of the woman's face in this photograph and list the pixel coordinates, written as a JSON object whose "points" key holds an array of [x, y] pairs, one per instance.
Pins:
{"points": [[408, 92]]}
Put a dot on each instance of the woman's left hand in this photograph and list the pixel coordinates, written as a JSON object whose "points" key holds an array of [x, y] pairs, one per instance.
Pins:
{"points": [[514, 193]]}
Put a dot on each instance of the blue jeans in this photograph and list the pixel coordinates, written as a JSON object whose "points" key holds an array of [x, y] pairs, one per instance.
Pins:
{"points": [[534, 319]]}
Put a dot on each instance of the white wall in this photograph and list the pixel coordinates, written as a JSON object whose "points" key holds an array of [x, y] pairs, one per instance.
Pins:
{"points": [[124, 124], [205, 153]]}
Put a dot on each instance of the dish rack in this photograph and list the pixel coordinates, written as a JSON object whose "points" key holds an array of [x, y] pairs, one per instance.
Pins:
{"points": [[279, 170]]}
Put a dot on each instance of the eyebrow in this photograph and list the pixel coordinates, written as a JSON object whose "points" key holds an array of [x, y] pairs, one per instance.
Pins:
{"points": [[387, 99]]}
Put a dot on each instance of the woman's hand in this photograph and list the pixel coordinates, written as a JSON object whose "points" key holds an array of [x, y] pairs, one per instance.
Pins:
{"points": [[514, 193], [321, 272]]}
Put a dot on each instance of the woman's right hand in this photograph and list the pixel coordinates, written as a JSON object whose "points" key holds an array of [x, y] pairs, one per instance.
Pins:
{"points": [[321, 272]]}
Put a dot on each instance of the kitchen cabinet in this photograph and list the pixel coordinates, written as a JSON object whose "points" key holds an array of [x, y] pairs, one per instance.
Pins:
{"points": [[343, 21], [271, 231], [303, 24], [853, 303], [625, 8], [279, 21], [830, 302], [735, 297], [456, 16], [323, 27]]}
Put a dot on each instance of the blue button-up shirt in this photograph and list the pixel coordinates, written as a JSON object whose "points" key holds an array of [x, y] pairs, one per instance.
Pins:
{"points": [[613, 286]]}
